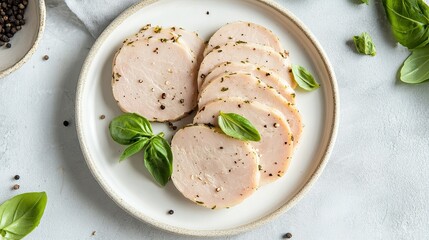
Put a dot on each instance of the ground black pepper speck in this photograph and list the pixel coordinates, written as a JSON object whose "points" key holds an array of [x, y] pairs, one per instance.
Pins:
{"points": [[17, 177], [15, 187], [171, 212], [46, 57], [66, 123], [11, 19], [287, 236]]}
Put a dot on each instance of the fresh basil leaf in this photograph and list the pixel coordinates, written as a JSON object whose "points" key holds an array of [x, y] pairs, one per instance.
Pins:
{"points": [[409, 20], [304, 78], [21, 214], [416, 67], [364, 44], [134, 148], [129, 128], [158, 160], [237, 126], [364, 1]]}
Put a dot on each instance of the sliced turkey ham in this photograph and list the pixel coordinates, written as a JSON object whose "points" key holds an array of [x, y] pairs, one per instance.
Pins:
{"points": [[212, 169], [275, 148], [251, 89], [265, 75], [246, 53], [245, 32], [189, 39], [155, 78]]}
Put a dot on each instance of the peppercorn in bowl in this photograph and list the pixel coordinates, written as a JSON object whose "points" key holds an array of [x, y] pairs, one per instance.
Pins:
{"points": [[22, 23]]}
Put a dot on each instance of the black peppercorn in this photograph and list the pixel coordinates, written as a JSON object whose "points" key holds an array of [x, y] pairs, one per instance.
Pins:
{"points": [[66, 123], [287, 236], [8, 45], [171, 212]]}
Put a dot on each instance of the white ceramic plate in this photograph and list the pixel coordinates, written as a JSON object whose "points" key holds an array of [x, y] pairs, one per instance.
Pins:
{"points": [[129, 184], [26, 41]]}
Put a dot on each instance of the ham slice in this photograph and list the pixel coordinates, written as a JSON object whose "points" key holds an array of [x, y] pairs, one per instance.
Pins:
{"points": [[246, 53], [212, 169], [251, 89], [275, 148], [245, 32], [155, 78], [189, 39], [267, 76]]}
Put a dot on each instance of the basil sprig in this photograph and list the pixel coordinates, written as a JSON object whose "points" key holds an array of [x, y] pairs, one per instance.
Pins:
{"points": [[237, 126], [136, 131], [364, 1], [409, 20], [304, 78], [364, 44], [21, 214]]}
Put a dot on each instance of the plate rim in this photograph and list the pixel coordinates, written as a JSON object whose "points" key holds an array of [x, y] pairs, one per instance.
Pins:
{"points": [[208, 233], [32, 50]]}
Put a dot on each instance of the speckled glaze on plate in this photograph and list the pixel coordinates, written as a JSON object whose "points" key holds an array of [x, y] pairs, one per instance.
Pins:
{"points": [[129, 184], [26, 41]]}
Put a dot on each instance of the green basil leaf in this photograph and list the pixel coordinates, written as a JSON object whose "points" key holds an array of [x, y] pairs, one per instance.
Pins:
{"points": [[364, 44], [158, 159], [364, 1], [129, 128], [409, 20], [134, 148], [304, 78], [21, 214], [416, 67], [236, 126]]}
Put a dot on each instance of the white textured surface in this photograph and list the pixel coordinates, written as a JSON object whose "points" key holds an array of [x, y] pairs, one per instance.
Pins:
{"points": [[374, 187]]}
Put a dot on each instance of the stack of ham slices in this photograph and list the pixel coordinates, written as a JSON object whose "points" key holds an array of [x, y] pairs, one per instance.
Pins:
{"points": [[163, 74]]}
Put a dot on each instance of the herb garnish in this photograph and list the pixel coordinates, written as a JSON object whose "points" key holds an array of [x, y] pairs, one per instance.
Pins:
{"points": [[237, 126], [409, 20], [304, 78], [21, 214], [416, 67], [136, 131], [364, 44], [364, 1]]}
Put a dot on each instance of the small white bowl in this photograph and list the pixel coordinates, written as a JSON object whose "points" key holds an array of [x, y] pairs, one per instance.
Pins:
{"points": [[25, 42]]}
